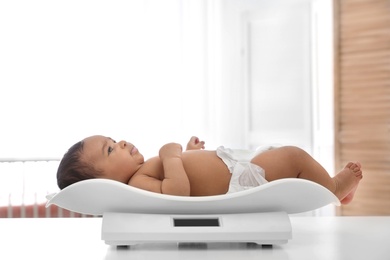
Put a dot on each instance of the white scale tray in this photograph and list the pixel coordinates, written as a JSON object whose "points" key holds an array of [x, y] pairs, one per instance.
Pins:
{"points": [[131, 215]]}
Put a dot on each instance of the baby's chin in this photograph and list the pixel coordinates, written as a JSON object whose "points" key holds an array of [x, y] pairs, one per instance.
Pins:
{"points": [[140, 159]]}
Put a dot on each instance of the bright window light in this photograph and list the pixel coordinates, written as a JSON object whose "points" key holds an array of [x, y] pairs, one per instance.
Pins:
{"points": [[70, 69]]}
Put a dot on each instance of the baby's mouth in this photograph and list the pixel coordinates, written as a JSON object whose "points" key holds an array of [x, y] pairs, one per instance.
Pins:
{"points": [[133, 150]]}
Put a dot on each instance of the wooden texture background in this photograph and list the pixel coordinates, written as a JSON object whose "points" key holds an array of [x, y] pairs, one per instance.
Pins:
{"points": [[362, 98]]}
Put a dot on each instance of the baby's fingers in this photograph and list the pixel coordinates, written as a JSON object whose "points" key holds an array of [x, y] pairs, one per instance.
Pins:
{"points": [[199, 144], [195, 143]]}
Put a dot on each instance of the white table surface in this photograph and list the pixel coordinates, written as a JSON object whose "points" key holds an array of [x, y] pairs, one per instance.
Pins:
{"points": [[313, 238]]}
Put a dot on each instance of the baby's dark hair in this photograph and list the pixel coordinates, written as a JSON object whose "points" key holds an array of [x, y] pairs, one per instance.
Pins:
{"points": [[73, 169]]}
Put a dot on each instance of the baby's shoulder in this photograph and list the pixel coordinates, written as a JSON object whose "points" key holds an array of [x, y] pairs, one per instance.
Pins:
{"points": [[151, 167], [152, 161]]}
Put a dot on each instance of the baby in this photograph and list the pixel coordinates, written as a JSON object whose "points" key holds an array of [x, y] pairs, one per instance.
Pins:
{"points": [[198, 172]]}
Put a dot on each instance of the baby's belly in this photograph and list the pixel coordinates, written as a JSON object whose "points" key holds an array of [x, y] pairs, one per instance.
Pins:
{"points": [[207, 173]]}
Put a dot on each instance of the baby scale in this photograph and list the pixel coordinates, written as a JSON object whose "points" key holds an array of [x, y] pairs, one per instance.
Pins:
{"points": [[132, 216]]}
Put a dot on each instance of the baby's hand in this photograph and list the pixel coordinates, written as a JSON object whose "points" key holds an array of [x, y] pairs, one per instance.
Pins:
{"points": [[195, 144], [171, 150]]}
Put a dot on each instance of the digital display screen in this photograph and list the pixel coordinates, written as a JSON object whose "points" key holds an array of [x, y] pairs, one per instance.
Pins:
{"points": [[196, 222]]}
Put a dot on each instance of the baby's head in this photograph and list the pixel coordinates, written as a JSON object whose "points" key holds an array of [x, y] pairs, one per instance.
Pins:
{"points": [[73, 168], [99, 157]]}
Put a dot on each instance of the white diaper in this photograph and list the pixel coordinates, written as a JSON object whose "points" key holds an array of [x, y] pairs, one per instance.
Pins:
{"points": [[245, 175]]}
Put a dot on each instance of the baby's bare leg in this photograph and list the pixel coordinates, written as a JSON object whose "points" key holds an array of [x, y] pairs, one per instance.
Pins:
{"points": [[293, 162]]}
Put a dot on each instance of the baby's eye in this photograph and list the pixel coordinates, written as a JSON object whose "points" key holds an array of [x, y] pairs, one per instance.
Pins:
{"points": [[110, 149]]}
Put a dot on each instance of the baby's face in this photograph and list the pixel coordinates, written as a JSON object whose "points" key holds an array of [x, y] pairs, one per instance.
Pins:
{"points": [[118, 161]]}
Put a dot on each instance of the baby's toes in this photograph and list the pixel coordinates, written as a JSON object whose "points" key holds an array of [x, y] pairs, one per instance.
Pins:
{"points": [[357, 171], [349, 165], [356, 168]]}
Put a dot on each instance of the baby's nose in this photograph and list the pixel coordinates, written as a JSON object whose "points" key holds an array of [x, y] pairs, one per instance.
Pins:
{"points": [[122, 144]]}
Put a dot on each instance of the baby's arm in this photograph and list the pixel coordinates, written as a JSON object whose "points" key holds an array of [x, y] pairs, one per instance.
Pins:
{"points": [[175, 180]]}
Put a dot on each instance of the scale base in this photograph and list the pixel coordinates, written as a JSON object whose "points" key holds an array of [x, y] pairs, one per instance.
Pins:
{"points": [[124, 229]]}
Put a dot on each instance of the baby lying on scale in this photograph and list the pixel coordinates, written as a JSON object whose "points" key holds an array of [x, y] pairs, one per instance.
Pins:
{"points": [[198, 172]]}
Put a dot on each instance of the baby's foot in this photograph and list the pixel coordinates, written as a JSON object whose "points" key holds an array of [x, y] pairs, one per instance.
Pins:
{"points": [[347, 181]]}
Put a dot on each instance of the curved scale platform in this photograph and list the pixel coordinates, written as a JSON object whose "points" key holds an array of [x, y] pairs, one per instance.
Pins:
{"points": [[97, 196]]}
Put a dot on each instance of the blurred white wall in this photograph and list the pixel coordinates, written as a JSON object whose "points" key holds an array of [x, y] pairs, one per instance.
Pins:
{"points": [[235, 72]]}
